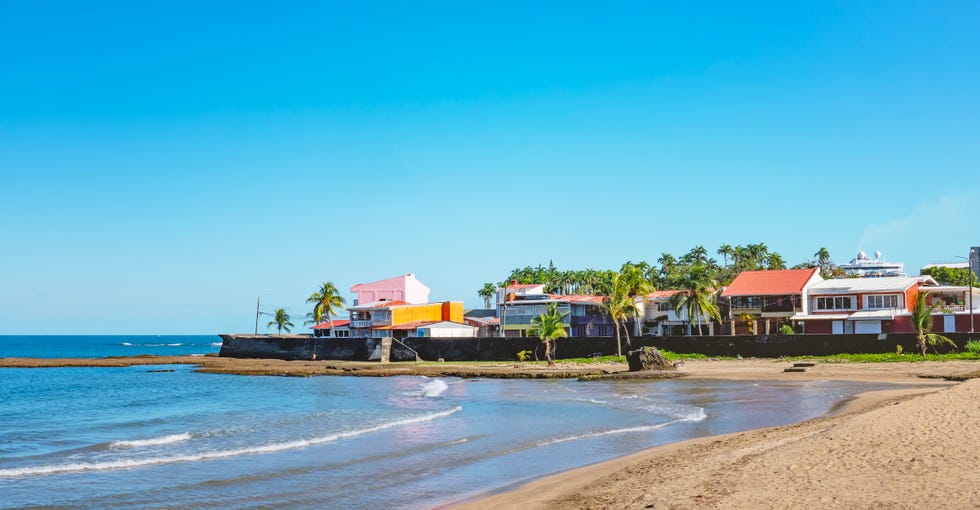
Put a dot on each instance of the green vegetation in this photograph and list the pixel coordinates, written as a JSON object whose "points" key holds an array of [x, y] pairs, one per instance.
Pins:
{"points": [[786, 329], [698, 298], [922, 325], [549, 327], [972, 346], [326, 301], [281, 321], [523, 356], [952, 276], [486, 293], [631, 281]]}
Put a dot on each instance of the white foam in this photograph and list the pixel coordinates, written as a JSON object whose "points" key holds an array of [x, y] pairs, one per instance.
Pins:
{"points": [[641, 428], [127, 344], [174, 345], [174, 438], [434, 388], [216, 344], [269, 448]]}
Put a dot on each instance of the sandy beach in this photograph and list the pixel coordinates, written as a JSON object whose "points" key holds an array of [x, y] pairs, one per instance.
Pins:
{"points": [[914, 448]]}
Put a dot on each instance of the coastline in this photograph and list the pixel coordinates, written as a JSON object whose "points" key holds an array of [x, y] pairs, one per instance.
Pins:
{"points": [[884, 449], [878, 449]]}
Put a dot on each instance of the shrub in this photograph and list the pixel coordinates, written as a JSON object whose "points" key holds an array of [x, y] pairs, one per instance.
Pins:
{"points": [[523, 356], [972, 346], [898, 349], [786, 329]]}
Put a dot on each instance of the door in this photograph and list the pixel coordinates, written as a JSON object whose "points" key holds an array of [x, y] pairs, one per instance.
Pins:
{"points": [[837, 328], [949, 323], [867, 327]]}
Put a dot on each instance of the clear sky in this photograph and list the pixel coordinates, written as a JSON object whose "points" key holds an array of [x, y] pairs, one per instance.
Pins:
{"points": [[164, 163]]}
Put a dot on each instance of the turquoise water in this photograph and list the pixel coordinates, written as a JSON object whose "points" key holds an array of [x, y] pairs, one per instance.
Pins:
{"points": [[99, 346], [155, 436]]}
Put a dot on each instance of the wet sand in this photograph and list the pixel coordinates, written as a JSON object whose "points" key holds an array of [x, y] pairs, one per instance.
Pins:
{"points": [[913, 448]]}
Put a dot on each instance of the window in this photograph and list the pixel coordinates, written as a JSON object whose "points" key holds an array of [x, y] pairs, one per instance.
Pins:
{"points": [[878, 302], [834, 303]]}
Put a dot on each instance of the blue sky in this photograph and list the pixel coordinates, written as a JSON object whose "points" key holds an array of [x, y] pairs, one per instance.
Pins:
{"points": [[165, 163]]}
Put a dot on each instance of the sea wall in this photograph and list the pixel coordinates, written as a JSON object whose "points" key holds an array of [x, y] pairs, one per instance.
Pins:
{"points": [[299, 347]]}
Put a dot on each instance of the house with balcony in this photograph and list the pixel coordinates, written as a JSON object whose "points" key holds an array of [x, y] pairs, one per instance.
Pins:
{"points": [[863, 305], [659, 317], [405, 288], [337, 328], [761, 301], [400, 319], [586, 315]]}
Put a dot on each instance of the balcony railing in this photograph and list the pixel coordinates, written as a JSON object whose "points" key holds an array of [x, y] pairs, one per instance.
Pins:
{"points": [[360, 324]]}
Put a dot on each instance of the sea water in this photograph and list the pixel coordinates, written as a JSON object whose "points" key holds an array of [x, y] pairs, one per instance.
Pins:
{"points": [[158, 436], [99, 346]]}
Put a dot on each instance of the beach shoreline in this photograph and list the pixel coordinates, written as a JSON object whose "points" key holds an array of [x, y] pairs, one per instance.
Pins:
{"points": [[882, 449], [814, 462]]}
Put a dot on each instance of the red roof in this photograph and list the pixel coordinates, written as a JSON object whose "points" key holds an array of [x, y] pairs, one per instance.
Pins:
{"points": [[579, 298], [381, 304], [518, 286], [337, 324], [770, 283], [660, 294], [407, 326]]}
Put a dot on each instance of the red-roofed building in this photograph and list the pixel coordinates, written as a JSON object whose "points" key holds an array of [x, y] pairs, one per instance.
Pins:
{"points": [[760, 301], [338, 328]]}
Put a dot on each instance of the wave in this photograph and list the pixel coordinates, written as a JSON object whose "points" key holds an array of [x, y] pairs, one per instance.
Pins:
{"points": [[641, 428], [127, 344], [216, 344], [174, 345], [268, 448], [173, 438], [434, 388]]}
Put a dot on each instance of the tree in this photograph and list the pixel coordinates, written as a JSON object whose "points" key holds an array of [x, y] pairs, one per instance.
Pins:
{"points": [[325, 301], [922, 324], [549, 326], [726, 251], [775, 261], [698, 298], [620, 305], [822, 256], [281, 321], [487, 292], [959, 276]]}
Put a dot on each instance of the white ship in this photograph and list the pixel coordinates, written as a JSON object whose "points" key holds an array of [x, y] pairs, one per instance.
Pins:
{"points": [[866, 267]]}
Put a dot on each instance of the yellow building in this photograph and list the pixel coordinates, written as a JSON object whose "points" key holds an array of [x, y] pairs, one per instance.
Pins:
{"points": [[386, 318]]}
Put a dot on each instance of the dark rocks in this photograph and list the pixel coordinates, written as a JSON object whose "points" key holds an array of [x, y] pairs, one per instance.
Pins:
{"points": [[646, 359]]}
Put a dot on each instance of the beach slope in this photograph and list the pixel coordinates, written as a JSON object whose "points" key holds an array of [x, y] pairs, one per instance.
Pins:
{"points": [[913, 448]]}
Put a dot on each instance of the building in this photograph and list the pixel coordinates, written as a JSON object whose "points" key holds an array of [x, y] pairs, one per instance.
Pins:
{"points": [[332, 329], [660, 318], [863, 305], [405, 288], [446, 329], [486, 321], [866, 267], [761, 301], [586, 314], [400, 319]]}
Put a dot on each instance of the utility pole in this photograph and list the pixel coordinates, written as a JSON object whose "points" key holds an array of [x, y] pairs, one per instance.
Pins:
{"points": [[257, 301], [973, 255]]}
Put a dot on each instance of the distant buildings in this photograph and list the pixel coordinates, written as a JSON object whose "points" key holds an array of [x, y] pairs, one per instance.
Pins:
{"points": [[761, 301]]}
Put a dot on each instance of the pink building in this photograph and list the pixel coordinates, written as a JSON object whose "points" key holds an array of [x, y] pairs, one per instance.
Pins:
{"points": [[400, 288]]}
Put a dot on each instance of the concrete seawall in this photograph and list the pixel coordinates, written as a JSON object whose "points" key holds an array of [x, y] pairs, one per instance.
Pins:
{"points": [[301, 347]]}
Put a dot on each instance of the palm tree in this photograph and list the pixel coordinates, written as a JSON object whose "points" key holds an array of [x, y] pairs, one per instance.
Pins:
{"points": [[922, 324], [619, 305], [775, 261], [281, 321], [486, 293], [326, 301], [822, 256], [698, 298], [726, 251], [549, 326]]}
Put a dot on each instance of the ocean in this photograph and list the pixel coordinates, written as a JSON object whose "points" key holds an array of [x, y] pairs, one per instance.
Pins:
{"points": [[166, 436]]}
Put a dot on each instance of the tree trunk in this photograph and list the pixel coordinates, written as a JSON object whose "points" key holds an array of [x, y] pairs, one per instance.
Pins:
{"points": [[619, 344], [547, 352], [627, 331], [922, 343]]}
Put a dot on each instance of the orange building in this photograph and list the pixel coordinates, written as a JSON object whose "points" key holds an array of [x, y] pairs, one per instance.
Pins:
{"points": [[399, 318]]}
